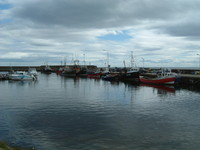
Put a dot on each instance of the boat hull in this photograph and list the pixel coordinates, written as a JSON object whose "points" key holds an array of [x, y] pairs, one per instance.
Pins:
{"points": [[71, 73], [167, 80], [95, 76], [47, 71], [130, 77], [111, 77], [21, 78]]}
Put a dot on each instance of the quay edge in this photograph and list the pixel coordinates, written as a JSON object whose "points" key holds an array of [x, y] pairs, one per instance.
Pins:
{"points": [[38, 68], [189, 79], [4, 146]]}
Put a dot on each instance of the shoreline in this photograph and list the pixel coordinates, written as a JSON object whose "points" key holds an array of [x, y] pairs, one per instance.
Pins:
{"points": [[5, 146]]}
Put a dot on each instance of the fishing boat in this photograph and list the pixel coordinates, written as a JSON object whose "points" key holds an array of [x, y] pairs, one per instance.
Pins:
{"points": [[21, 76], [47, 70], [71, 71], [83, 72], [32, 71], [131, 74], [2, 76], [60, 70], [111, 77], [163, 77]]}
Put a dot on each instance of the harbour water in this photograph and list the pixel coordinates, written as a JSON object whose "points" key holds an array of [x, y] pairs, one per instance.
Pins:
{"points": [[60, 113]]}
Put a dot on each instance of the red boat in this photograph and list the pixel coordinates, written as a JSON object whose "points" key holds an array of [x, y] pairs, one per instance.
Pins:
{"points": [[165, 77], [166, 80]]}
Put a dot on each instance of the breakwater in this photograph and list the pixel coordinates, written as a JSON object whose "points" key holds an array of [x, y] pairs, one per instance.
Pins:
{"points": [[189, 79], [56, 67], [38, 68], [19, 68]]}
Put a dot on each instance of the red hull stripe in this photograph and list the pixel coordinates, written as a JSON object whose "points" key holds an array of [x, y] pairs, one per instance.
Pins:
{"points": [[98, 75], [159, 81]]}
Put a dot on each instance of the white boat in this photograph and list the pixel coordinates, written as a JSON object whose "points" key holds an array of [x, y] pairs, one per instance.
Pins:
{"points": [[21, 76], [32, 71], [133, 70]]}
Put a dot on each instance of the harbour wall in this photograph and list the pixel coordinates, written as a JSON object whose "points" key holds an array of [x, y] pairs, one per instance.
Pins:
{"points": [[189, 79], [38, 68]]}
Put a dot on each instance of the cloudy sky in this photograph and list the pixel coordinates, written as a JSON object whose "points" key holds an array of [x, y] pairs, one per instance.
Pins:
{"points": [[158, 32]]}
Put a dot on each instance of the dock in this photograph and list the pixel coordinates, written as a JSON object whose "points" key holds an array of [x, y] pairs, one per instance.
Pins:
{"points": [[189, 79], [38, 68]]}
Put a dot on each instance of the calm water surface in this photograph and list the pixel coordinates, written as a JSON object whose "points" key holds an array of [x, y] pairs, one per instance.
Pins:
{"points": [[59, 113]]}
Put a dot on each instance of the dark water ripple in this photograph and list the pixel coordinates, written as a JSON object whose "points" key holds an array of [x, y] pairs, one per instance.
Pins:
{"points": [[70, 114]]}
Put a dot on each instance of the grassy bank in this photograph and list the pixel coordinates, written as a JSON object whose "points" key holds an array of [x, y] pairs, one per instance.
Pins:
{"points": [[4, 146]]}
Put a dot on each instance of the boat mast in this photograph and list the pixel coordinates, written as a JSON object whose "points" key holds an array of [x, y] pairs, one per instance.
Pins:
{"points": [[132, 59], [65, 61], [107, 61], [84, 60], [124, 64]]}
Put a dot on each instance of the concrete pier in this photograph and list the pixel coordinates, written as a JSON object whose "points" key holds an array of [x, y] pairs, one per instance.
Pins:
{"points": [[189, 79], [18, 68], [38, 68]]}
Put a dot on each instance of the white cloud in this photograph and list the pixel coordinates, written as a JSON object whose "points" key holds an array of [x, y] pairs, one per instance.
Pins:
{"points": [[160, 30], [15, 55]]}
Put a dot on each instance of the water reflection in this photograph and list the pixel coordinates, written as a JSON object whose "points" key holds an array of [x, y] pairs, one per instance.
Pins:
{"points": [[65, 79], [161, 89], [191, 88], [23, 83]]}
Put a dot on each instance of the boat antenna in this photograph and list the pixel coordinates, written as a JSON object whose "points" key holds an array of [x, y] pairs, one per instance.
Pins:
{"points": [[65, 61], [124, 63], [132, 59]]}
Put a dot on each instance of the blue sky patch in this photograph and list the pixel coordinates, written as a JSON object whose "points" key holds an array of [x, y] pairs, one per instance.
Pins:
{"points": [[5, 21], [5, 6], [123, 36]]}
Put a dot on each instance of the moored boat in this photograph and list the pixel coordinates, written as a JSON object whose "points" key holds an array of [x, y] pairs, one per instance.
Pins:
{"points": [[47, 70], [158, 80], [60, 70], [21, 76], [111, 77], [32, 71], [83, 72], [163, 77], [131, 75], [2, 76], [71, 71]]}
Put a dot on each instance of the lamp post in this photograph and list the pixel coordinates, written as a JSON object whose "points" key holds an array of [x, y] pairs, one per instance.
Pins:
{"points": [[199, 60]]}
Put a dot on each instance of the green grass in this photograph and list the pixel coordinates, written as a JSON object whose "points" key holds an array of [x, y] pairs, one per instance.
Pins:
{"points": [[4, 146]]}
